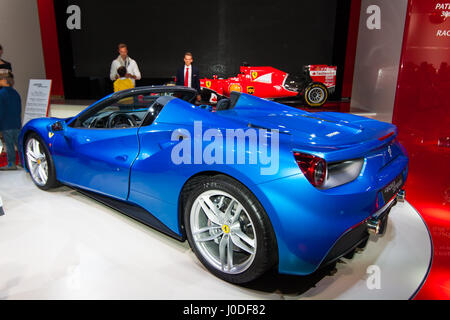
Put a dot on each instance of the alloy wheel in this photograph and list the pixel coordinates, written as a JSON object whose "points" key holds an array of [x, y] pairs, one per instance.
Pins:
{"points": [[223, 231], [37, 161]]}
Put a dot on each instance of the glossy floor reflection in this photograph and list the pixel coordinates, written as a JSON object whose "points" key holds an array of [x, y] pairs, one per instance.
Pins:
{"points": [[63, 245]]}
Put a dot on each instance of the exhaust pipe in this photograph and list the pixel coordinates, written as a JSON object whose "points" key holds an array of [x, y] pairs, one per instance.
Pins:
{"points": [[374, 226], [377, 225], [401, 195]]}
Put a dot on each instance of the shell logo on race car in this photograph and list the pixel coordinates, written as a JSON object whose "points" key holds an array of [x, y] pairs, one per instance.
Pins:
{"points": [[208, 84], [235, 87], [254, 75], [250, 90]]}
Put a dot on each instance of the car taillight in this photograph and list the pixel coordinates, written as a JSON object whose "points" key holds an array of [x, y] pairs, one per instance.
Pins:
{"points": [[386, 136], [314, 168]]}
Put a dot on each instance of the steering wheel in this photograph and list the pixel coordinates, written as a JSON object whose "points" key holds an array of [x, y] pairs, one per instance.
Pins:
{"points": [[97, 123], [121, 120]]}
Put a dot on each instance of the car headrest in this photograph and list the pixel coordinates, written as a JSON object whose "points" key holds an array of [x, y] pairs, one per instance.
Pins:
{"points": [[163, 100], [234, 97], [223, 104]]}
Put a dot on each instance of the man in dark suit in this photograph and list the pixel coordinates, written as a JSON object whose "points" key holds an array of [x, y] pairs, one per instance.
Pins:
{"points": [[188, 75]]}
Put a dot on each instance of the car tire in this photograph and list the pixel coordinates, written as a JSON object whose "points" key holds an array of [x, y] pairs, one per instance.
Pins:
{"points": [[316, 94], [247, 225], [39, 162]]}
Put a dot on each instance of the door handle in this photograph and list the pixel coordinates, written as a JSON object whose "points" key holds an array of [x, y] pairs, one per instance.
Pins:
{"points": [[122, 157], [167, 144]]}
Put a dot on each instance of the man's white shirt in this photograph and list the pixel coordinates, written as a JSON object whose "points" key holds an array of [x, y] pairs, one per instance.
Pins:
{"points": [[130, 64], [190, 75]]}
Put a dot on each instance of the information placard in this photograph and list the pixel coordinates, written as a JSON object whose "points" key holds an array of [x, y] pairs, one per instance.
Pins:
{"points": [[38, 99]]}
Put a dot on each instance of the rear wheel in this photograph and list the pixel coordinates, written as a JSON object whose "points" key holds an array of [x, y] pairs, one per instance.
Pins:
{"points": [[39, 162], [316, 94], [228, 230]]}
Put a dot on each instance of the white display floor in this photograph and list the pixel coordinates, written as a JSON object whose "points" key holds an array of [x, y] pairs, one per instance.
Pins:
{"points": [[63, 245]]}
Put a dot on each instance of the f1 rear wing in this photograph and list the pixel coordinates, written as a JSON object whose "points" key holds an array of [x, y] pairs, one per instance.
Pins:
{"points": [[324, 74]]}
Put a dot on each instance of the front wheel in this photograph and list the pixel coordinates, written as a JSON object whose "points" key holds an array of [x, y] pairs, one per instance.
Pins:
{"points": [[39, 162], [229, 231], [316, 94]]}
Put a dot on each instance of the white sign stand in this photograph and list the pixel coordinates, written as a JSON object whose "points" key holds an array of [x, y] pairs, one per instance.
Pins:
{"points": [[38, 99]]}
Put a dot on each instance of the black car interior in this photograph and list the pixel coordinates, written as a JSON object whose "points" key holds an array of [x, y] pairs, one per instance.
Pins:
{"points": [[128, 112]]}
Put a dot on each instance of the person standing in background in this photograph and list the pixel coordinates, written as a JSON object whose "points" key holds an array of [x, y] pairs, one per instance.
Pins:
{"points": [[188, 75], [10, 118], [123, 60], [5, 66], [122, 83]]}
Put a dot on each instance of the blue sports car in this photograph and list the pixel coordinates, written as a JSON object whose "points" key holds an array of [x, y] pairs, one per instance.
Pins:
{"points": [[251, 184]]}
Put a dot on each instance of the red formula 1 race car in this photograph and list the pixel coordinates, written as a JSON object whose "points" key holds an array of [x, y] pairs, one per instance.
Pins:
{"points": [[314, 85]]}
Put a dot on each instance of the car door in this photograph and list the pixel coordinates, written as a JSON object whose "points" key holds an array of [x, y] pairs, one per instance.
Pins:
{"points": [[96, 153]]}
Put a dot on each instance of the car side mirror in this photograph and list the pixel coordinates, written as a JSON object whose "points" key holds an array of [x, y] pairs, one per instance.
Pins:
{"points": [[58, 126]]}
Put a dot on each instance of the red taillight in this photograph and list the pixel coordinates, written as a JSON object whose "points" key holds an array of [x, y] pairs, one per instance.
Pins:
{"points": [[386, 136], [314, 168]]}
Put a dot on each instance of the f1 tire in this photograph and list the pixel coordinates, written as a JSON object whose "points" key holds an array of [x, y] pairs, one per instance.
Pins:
{"points": [[316, 94]]}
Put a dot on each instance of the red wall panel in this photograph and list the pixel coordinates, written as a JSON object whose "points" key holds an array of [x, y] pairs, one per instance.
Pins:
{"points": [[50, 46], [352, 38], [422, 115]]}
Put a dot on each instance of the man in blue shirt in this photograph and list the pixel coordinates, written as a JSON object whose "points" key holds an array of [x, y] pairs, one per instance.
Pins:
{"points": [[10, 118]]}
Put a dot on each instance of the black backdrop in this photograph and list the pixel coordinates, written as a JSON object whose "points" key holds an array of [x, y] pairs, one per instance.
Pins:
{"points": [[221, 34]]}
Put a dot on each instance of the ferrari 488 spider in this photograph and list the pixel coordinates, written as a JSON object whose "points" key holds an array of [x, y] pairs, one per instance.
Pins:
{"points": [[327, 180]]}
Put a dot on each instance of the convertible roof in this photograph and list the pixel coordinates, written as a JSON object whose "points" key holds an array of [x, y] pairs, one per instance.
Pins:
{"points": [[149, 89]]}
